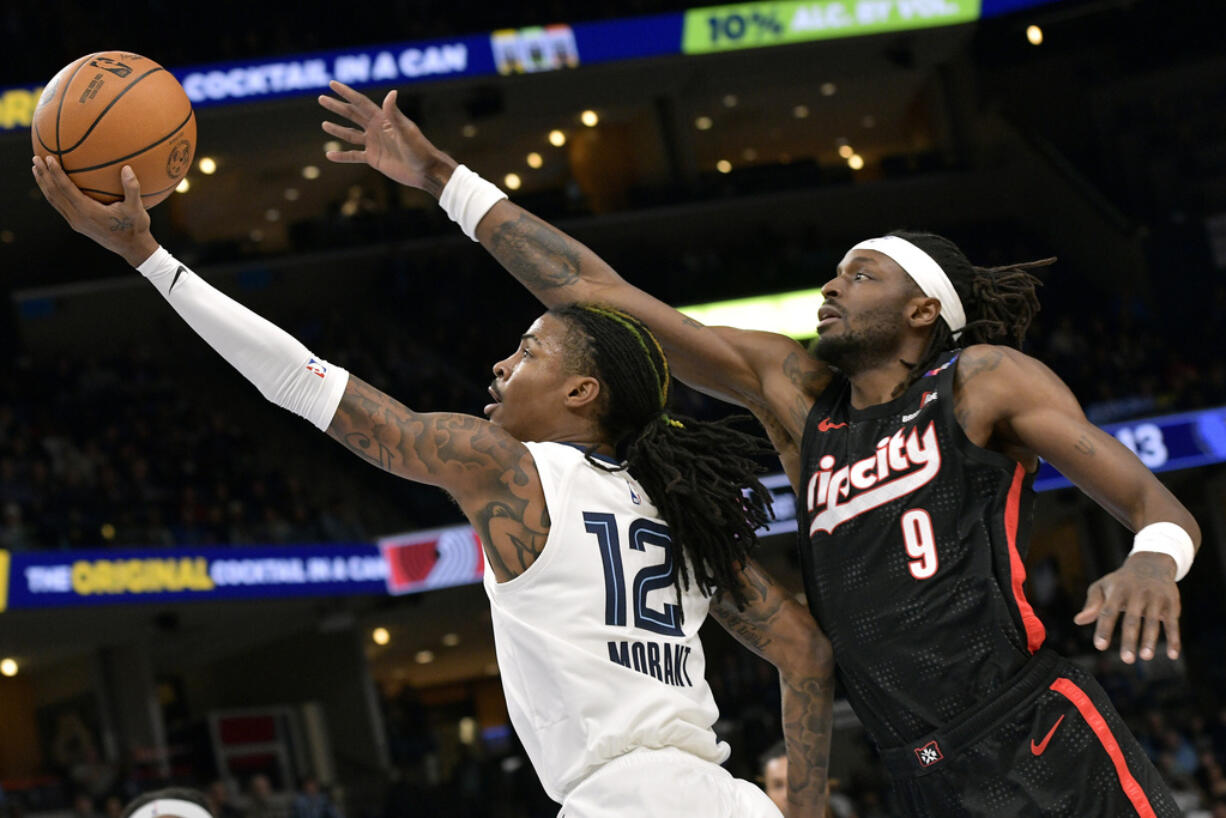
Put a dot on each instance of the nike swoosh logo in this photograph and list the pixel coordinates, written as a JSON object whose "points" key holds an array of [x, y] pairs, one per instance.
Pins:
{"points": [[1038, 749], [178, 273], [826, 425]]}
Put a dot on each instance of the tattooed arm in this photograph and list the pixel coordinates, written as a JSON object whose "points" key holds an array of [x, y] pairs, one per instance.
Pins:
{"points": [[780, 630], [1013, 403], [491, 474], [746, 368]]}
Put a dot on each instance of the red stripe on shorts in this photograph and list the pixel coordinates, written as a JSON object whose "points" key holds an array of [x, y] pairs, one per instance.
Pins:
{"points": [[1098, 724], [1035, 632]]}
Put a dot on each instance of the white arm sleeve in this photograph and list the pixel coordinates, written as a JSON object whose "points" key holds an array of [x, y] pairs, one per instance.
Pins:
{"points": [[284, 370]]}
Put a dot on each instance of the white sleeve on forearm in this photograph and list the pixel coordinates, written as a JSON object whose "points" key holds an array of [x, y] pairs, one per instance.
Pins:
{"points": [[284, 370]]}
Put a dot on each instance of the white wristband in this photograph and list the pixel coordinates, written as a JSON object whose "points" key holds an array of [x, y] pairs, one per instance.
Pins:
{"points": [[466, 199], [1169, 539], [284, 370]]}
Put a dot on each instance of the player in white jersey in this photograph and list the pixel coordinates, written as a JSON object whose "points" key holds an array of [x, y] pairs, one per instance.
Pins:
{"points": [[607, 536]]}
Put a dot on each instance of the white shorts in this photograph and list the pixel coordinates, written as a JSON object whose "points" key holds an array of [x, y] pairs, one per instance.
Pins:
{"points": [[665, 783]]}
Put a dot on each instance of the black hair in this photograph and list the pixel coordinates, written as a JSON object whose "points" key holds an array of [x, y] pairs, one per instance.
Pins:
{"points": [[777, 750], [176, 793], [1000, 302], [701, 476]]}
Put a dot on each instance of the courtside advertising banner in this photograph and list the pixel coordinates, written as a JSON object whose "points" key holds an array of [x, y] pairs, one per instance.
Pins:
{"points": [[755, 25], [47, 579]]}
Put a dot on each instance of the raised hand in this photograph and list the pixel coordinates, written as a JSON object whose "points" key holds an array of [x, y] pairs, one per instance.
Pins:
{"points": [[122, 227], [1143, 589], [390, 142]]}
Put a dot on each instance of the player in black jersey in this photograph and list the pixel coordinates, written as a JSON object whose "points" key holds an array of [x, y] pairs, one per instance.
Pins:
{"points": [[911, 439]]}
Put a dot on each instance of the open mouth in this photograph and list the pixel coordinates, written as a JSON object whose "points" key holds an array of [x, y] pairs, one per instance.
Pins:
{"points": [[490, 407], [826, 316]]}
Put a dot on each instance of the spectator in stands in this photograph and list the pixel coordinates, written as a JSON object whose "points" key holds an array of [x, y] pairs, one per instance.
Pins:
{"points": [[773, 769], [83, 807], [221, 803], [261, 801], [312, 802]]}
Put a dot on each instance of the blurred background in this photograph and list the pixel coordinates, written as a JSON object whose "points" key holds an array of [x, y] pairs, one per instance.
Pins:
{"points": [[198, 588]]}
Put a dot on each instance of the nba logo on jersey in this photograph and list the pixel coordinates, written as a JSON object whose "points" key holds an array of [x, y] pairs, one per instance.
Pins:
{"points": [[316, 367], [929, 754], [634, 497]]}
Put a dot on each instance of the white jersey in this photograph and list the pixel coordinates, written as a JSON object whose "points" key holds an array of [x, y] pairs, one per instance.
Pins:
{"points": [[597, 658]]}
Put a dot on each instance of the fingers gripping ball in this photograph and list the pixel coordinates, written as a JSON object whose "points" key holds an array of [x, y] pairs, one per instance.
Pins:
{"points": [[111, 109]]}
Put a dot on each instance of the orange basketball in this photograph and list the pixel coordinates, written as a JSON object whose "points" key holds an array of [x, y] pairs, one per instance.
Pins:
{"points": [[111, 109]]}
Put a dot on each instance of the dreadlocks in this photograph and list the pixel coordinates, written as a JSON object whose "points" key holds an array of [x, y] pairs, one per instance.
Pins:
{"points": [[1000, 302], [701, 476]]}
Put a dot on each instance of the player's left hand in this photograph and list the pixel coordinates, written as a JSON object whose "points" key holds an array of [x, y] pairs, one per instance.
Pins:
{"points": [[391, 142], [1143, 589]]}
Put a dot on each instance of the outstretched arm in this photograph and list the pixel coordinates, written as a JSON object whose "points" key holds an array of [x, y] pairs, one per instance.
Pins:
{"points": [[779, 629], [752, 369], [491, 474], [1023, 404]]}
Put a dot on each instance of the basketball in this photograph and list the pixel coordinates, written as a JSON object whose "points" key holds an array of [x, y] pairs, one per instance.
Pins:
{"points": [[114, 108]]}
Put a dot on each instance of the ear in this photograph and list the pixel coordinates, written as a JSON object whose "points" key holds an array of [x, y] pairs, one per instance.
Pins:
{"points": [[922, 312], [581, 391]]}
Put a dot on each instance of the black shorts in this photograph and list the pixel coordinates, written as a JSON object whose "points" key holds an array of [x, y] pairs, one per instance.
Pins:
{"points": [[1050, 744]]}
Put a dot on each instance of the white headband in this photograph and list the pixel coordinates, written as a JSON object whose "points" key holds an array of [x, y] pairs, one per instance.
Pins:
{"points": [[171, 808], [925, 272]]}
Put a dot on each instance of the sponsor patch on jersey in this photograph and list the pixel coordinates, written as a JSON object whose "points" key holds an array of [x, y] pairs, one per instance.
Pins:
{"points": [[316, 367], [925, 399], [903, 463]]}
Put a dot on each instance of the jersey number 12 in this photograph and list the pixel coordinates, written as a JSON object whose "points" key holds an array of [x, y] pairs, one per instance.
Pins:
{"points": [[659, 575]]}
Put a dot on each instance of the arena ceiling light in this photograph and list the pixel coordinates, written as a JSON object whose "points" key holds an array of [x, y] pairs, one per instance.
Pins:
{"points": [[534, 160], [8, 667], [380, 636], [557, 138], [589, 118], [1034, 35], [207, 165], [791, 313]]}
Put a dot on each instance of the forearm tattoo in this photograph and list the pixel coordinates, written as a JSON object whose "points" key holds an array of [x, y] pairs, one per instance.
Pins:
{"points": [[540, 256], [807, 698]]}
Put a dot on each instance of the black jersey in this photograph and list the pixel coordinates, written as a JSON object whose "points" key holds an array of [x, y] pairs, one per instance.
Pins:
{"points": [[912, 544]]}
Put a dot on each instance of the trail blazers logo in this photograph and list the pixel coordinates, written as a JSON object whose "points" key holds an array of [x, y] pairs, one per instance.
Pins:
{"points": [[903, 463]]}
